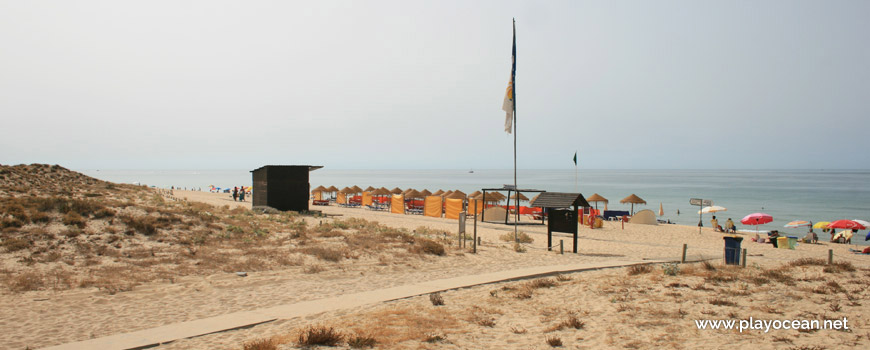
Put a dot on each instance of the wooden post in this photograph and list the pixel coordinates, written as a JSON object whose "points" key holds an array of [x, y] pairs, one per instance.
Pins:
{"points": [[830, 256], [478, 240], [683, 260], [561, 246], [474, 243], [623, 222], [743, 258]]}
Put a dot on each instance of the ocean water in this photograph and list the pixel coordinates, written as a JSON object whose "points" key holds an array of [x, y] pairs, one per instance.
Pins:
{"points": [[814, 195]]}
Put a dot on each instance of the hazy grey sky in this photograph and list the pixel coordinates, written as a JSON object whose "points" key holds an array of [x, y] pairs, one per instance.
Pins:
{"points": [[408, 84]]}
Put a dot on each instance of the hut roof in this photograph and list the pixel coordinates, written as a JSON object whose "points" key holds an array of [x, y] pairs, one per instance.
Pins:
{"points": [[474, 194], [356, 189], [633, 199], [438, 193], [332, 189], [559, 200], [319, 189], [369, 189], [396, 191], [426, 192]]}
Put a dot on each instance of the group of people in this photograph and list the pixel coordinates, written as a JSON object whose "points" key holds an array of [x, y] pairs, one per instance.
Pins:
{"points": [[729, 225], [238, 195]]}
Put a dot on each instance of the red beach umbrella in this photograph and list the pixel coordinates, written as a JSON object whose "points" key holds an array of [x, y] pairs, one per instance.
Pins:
{"points": [[756, 219], [846, 224]]}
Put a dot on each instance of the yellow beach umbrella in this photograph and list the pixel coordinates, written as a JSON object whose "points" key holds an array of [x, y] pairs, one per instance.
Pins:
{"points": [[822, 224]]}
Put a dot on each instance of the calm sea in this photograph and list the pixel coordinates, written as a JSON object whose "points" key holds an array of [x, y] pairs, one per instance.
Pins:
{"points": [[816, 195]]}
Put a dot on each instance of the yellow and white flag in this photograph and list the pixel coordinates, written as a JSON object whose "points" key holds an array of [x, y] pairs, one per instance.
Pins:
{"points": [[509, 105]]}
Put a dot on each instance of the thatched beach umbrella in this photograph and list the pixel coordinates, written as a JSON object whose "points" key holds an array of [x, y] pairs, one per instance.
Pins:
{"points": [[438, 193], [370, 189], [520, 196], [396, 191], [474, 194], [596, 198], [426, 192], [319, 189], [413, 194], [457, 195], [445, 194], [356, 189], [633, 199]]}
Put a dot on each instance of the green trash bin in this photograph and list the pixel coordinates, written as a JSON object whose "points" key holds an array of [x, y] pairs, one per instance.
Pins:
{"points": [[792, 242]]}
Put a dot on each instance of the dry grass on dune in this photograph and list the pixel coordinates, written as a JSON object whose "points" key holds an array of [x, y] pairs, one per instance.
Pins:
{"points": [[634, 308], [63, 230]]}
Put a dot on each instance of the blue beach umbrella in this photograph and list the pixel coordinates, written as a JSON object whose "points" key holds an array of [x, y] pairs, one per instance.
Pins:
{"points": [[868, 237]]}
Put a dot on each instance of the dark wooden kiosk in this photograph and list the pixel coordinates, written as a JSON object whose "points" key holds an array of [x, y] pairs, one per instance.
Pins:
{"points": [[561, 213], [283, 187]]}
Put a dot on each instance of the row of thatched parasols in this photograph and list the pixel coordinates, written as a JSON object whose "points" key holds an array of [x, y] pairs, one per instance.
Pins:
{"points": [[492, 197], [633, 199]]}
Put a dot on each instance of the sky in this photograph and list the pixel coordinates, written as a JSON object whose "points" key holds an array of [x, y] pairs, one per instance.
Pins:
{"points": [[420, 84]]}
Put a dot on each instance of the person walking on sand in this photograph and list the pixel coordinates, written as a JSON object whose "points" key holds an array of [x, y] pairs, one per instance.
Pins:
{"points": [[242, 194], [235, 193]]}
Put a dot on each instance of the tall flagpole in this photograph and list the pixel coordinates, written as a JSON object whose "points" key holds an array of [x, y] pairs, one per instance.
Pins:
{"points": [[514, 70]]}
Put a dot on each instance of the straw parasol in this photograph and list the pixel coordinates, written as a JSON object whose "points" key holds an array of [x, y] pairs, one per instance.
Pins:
{"points": [[396, 191], [633, 199], [521, 197], [596, 198], [426, 192], [413, 194], [319, 189], [457, 195], [346, 190], [438, 193], [370, 189], [445, 194], [474, 194], [356, 189]]}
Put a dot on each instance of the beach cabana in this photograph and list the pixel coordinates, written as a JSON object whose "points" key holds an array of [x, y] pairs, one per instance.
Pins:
{"points": [[633, 199]]}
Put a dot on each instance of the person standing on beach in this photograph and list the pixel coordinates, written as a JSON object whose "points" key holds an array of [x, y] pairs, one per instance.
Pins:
{"points": [[235, 193], [242, 194]]}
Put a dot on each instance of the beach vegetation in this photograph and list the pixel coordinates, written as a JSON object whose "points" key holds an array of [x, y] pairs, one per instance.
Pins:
{"points": [[74, 219], [522, 237], [554, 341], [639, 269], [319, 336], [15, 244], [436, 299], [839, 266], [428, 246], [260, 344], [361, 341], [671, 269], [721, 302], [519, 248]]}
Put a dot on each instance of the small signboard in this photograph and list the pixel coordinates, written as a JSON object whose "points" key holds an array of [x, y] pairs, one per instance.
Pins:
{"points": [[701, 202]]}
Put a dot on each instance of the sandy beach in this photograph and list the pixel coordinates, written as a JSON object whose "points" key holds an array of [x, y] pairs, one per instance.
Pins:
{"points": [[618, 308]]}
